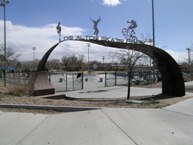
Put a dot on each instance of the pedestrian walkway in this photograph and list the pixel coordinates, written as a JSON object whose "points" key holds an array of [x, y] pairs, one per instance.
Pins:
{"points": [[172, 125]]}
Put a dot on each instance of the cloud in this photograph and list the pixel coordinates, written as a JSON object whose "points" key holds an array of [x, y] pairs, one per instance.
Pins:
{"points": [[111, 3], [22, 39], [178, 56]]}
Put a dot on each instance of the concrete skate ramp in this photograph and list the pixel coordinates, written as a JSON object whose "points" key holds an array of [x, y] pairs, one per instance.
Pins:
{"points": [[172, 80]]}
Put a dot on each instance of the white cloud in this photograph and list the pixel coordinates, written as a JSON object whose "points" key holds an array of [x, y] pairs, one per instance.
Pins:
{"points": [[111, 2], [22, 39], [178, 56]]}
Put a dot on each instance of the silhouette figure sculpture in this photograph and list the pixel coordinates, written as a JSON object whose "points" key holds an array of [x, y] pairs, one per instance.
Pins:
{"points": [[59, 29], [96, 30], [133, 25]]}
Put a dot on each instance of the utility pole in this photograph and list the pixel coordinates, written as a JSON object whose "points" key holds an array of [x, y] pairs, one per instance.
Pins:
{"points": [[153, 23], [34, 49]]}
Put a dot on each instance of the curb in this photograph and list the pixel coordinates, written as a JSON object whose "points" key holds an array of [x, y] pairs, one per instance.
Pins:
{"points": [[48, 107]]}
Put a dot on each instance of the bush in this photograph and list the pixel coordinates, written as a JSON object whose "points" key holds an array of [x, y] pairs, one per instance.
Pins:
{"points": [[18, 91]]}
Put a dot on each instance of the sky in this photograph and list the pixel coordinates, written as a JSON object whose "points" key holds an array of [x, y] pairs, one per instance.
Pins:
{"points": [[32, 23]]}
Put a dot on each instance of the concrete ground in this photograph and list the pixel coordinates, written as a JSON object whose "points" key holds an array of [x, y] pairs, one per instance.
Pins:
{"points": [[112, 92], [95, 89], [172, 125]]}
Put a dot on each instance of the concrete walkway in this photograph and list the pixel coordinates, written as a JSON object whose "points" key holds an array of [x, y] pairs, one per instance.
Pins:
{"points": [[172, 125]]}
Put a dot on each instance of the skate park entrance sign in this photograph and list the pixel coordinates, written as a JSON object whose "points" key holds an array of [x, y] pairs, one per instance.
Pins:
{"points": [[172, 80]]}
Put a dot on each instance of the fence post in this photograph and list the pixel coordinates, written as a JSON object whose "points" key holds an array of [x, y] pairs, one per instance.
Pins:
{"points": [[14, 77], [82, 81], [73, 81], [20, 79], [105, 79], [49, 74], [66, 81], [115, 78]]}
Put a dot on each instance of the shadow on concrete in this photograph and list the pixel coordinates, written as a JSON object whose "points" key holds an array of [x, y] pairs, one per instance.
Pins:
{"points": [[96, 91], [49, 108], [157, 97]]}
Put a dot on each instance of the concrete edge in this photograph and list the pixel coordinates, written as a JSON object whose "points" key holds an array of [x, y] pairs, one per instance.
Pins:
{"points": [[47, 107]]}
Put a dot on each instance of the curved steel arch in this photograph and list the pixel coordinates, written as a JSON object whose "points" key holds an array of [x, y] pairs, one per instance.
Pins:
{"points": [[172, 80]]}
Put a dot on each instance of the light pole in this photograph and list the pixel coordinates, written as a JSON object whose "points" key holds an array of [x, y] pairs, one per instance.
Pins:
{"points": [[88, 57], [103, 60], [189, 57], [153, 28], [153, 23], [34, 49], [34, 63], [3, 4]]}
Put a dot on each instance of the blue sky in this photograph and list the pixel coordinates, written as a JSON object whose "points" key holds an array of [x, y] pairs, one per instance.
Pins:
{"points": [[32, 23]]}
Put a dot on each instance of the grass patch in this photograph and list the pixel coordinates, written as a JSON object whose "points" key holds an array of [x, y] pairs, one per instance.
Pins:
{"points": [[152, 102]]}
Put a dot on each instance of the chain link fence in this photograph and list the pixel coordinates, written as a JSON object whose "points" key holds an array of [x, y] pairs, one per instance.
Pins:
{"points": [[72, 81], [15, 79], [67, 81], [119, 78], [116, 78]]}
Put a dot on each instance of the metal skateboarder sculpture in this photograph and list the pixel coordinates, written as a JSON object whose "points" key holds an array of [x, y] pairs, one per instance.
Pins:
{"points": [[96, 25]]}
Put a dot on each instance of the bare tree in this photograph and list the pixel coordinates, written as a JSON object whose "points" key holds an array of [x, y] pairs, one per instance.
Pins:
{"points": [[128, 58], [73, 62], [10, 60], [6, 61], [147, 39], [53, 64]]}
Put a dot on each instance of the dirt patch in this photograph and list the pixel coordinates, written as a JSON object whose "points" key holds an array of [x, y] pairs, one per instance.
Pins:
{"points": [[158, 101], [148, 102]]}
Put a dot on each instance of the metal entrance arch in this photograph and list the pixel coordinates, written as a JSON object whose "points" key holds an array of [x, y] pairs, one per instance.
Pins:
{"points": [[172, 79]]}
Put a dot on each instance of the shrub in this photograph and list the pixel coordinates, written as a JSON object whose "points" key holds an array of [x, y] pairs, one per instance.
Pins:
{"points": [[18, 91]]}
